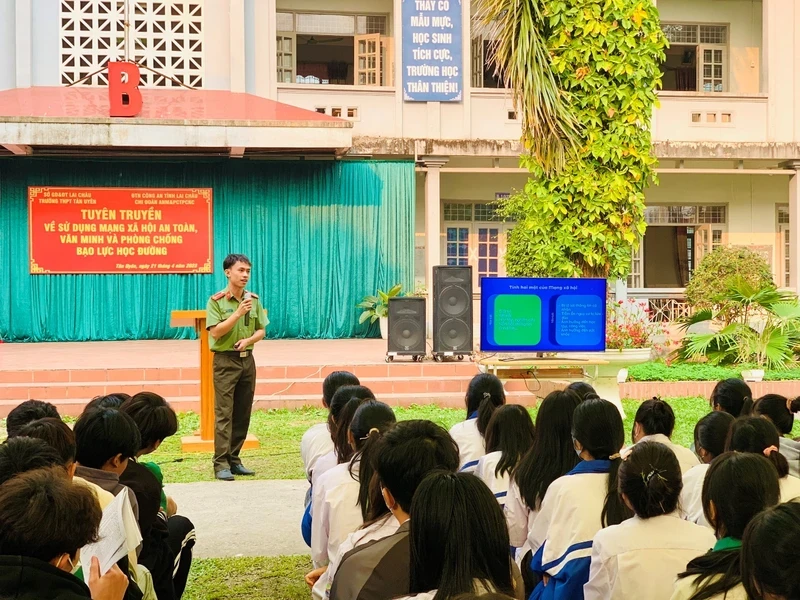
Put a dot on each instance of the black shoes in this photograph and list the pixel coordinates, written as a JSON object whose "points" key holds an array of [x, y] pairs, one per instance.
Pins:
{"points": [[241, 470], [224, 475]]}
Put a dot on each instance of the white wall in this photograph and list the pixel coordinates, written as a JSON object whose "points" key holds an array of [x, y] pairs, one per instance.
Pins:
{"points": [[45, 51], [217, 45], [8, 54]]}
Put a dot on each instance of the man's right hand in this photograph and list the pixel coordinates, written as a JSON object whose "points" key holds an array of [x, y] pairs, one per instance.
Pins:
{"points": [[110, 586]]}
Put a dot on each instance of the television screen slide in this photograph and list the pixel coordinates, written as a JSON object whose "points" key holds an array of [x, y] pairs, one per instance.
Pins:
{"points": [[543, 315]]}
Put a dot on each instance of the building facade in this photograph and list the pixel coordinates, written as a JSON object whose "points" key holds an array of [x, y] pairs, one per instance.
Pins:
{"points": [[727, 131]]}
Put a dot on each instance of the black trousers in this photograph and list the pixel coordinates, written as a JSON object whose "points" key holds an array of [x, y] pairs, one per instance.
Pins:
{"points": [[181, 542]]}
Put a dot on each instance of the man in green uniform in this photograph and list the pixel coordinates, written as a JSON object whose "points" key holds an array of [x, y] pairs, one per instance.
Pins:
{"points": [[236, 320]]}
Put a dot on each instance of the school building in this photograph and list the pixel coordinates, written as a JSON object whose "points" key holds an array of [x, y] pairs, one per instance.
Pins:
{"points": [[381, 102]]}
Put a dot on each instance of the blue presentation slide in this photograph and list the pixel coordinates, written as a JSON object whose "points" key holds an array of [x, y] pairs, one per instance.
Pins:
{"points": [[543, 315]]}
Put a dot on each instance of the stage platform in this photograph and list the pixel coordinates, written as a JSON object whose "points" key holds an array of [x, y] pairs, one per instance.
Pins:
{"points": [[290, 373]]}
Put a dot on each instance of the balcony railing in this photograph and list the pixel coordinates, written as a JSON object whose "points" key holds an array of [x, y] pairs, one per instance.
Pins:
{"points": [[666, 305]]}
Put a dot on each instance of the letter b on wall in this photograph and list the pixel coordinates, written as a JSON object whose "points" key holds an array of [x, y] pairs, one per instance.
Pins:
{"points": [[125, 99]]}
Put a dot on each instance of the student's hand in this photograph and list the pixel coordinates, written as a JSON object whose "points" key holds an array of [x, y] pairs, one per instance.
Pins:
{"points": [[172, 507], [241, 345], [110, 586], [313, 576]]}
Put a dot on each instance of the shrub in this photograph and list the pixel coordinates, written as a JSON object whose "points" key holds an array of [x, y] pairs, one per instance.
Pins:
{"points": [[658, 371], [708, 288], [628, 326]]}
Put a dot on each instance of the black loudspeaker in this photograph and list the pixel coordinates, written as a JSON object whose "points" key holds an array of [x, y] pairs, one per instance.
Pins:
{"points": [[452, 311], [406, 328]]}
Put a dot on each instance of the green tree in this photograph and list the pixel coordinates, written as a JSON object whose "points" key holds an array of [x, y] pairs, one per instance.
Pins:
{"points": [[605, 56]]}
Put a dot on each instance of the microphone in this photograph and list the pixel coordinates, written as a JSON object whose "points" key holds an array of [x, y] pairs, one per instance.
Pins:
{"points": [[247, 296]]}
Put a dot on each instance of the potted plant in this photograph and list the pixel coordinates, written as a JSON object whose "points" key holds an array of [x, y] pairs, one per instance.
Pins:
{"points": [[376, 308]]}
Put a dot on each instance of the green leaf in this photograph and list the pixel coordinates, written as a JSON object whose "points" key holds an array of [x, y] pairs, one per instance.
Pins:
{"points": [[364, 316]]}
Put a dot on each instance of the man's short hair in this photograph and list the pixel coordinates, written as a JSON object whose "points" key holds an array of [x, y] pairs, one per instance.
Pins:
{"points": [[30, 410], [56, 434], [114, 400], [153, 416], [104, 433], [22, 454], [232, 259], [43, 515]]}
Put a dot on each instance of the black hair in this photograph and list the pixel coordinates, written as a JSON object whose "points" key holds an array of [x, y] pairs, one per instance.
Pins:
{"points": [[408, 452], [655, 416], [370, 422], [56, 434], [104, 433], [760, 436], [552, 454], [450, 546], [582, 389], [114, 400], [769, 553], [24, 413], [599, 429], [153, 416], [43, 515], [510, 431], [711, 432], [732, 396], [22, 454], [484, 394], [333, 382], [778, 409], [232, 259], [338, 416], [739, 485], [650, 477]]}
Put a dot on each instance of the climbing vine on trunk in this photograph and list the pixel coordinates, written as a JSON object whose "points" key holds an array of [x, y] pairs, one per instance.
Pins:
{"points": [[584, 219]]}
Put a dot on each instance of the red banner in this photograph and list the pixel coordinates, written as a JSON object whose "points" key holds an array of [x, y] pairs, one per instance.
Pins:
{"points": [[120, 230]]}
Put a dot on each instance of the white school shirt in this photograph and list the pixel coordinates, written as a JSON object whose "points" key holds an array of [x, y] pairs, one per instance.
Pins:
{"points": [[335, 512], [791, 450], [316, 442], [470, 444], [641, 558], [686, 458], [691, 502], [324, 464], [790, 488], [382, 528], [485, 469], [686, 587], [519, 519]]}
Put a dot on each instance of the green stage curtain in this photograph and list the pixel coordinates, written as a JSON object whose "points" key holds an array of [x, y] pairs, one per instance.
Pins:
{"points": [[321, 235]]}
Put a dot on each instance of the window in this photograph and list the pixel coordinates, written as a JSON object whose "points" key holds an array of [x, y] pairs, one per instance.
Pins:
{"points": [[457, 246], [484, 74], [488, 252], [457, 212], [783, 233], [342, 49], [697, 59]]}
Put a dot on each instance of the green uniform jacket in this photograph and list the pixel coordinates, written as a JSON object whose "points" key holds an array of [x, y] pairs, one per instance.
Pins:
{"points": [[221, 306]]}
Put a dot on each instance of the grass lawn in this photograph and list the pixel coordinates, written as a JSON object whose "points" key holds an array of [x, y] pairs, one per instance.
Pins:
{"points": [[280, 432], [254, 578]]}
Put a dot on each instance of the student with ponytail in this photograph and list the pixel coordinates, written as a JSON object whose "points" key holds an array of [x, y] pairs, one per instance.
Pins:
{"points": [[655, 422], [579, 504], [737, 487], [508, 436], [484, 394], [732, 396], [641, 557], [341, 496], [710, 435], [759, 436], [780, 410], [769, 554]]}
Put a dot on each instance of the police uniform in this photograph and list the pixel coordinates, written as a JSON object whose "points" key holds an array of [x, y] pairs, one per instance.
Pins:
{"points": [[234, 376]]}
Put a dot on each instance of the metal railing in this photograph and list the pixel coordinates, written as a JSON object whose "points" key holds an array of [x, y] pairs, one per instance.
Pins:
{"points": [[666, 305]]}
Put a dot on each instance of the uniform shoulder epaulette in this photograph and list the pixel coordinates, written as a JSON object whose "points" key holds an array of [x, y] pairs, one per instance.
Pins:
{"points": [[254, 295], [218, 296]]}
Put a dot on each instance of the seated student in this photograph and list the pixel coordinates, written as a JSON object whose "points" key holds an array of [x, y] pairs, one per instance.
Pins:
{"points": [[758, 435], [24, 413], [640, 557], [655, 422], [508, 436], [732, 396], [579, 504], [44, 522], [484, 394], [737, 487], [582, 389], [157, 421], [374, 563], [339, 504], [551, 456], [459, 541], [114, 400], [22, 454], [780, 410], [769, 554], [710, 435], [317, 440]]}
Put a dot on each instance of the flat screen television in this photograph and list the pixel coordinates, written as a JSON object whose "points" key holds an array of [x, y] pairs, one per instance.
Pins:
{"points": [[543, 315]]}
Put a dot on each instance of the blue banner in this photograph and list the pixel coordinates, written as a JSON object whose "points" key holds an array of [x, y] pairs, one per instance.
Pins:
{"points": [[432, 57]]}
